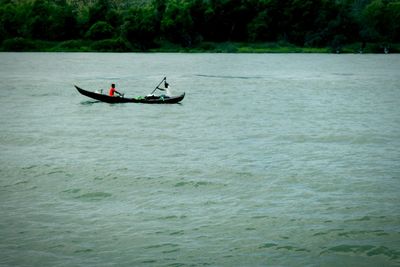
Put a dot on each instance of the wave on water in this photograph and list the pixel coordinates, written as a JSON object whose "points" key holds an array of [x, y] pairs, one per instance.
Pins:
{"points": [[277, 247], [333, 138], [343, 249], [228, 76], [108, 78], [94, 196], [365, 250], [343, 74], [91, 196], [194, 184], [89, 102], [43, 94]]}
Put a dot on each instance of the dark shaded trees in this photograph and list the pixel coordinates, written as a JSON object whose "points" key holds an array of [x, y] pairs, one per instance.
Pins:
{"points": [[100, 30], [177, 24], [141, 27], [144, 24]]}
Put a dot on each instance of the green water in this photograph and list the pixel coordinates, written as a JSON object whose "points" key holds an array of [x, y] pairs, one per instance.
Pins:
{"points": [[270, 160]]}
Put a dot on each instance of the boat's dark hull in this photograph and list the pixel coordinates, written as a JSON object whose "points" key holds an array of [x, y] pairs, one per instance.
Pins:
{"points": [[144, 100]]}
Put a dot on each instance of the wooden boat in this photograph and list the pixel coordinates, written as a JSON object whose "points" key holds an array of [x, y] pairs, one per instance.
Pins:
{"points": [[152, 99]]}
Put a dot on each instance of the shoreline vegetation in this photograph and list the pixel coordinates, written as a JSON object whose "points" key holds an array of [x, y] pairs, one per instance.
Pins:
{"points": [[119, 45], [194, 26]]}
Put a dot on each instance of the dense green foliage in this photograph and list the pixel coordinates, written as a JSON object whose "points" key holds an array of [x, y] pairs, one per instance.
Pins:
{"points": [[118, 25]]}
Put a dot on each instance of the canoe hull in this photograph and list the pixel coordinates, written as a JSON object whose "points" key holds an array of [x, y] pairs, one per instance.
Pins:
{"points": [[117, 99]]}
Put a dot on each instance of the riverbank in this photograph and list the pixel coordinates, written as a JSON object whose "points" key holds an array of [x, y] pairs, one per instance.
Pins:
{"points": [[119, 45]]}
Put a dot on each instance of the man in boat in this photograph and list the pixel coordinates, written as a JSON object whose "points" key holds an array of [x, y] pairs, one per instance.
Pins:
{"points": [[167, 92], [113, 90], [166, 89]]}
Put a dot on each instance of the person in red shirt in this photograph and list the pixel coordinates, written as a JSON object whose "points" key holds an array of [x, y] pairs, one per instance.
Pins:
{"points": [[113, 90]]}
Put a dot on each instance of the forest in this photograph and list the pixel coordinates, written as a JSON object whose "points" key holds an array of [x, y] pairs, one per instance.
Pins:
{"points": [[200, 25]]}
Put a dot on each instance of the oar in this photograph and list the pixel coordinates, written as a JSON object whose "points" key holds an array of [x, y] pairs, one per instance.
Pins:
{"points": [[158, 85]]}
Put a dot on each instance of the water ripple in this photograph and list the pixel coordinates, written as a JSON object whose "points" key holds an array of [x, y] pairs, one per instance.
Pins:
{"points": [[367, 250], [94, 196]]}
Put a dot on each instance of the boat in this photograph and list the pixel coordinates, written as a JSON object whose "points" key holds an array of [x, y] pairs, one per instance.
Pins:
{"points": [[150, 99]]}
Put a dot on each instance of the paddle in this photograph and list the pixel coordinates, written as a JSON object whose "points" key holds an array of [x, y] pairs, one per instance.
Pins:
{"points": [[165, 78]]}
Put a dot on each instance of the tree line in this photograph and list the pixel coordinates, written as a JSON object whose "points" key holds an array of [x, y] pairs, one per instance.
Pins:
{"points": [[122, 25]]}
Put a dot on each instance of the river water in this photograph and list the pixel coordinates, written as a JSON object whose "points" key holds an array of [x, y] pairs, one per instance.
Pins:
{"points": [[270, 160]]}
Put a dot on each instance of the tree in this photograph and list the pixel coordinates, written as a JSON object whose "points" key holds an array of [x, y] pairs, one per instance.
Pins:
{"points": [[177, 24], [271, 22], [140, 27], [64, 25], [145, 23], [98, 11], [259, 28], [393, 18], [100, 30], [227, 20], [40, 20], [374, 21], [8, 23]]}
